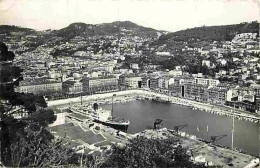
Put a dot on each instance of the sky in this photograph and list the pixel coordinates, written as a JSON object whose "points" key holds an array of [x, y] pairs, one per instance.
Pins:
{"points": [[169, 15]]}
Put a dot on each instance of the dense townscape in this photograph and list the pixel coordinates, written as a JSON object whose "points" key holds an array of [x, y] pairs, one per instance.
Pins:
{"points": [[84, 59], [216, 65]]}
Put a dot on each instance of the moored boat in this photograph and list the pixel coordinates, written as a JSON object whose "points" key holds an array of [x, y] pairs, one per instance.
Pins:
{"points": [[114, 123], [106, 118], [158, 99]]}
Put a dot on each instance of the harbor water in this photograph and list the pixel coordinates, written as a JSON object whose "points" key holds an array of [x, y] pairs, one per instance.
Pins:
{"points": [[142, 114]]}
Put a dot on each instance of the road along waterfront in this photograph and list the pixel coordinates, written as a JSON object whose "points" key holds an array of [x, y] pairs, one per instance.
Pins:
{"points": [[130, 95], [246, 133]]}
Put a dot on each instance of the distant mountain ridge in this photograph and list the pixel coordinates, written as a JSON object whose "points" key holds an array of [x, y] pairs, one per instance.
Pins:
{"points": [[212, 33], [128, 28], [114, 28], [7, 29]]}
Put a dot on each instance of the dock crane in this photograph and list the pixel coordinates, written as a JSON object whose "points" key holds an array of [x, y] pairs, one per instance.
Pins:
{"points": [[177, 128], [216, 138], [157, 122]]}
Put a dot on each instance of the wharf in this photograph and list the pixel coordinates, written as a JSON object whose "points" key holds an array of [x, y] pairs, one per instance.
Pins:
{"points": [[131, 95], [205, 152], [201, 151]]}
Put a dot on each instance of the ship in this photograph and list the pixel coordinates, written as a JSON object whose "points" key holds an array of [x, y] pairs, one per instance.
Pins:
{"points": [[106, 118], [101, 116], [113, 122]]}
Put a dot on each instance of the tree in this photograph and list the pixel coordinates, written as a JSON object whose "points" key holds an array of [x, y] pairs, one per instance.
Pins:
{"points": [[17, 110], [144, 152], [205, 70], [34, 147]]}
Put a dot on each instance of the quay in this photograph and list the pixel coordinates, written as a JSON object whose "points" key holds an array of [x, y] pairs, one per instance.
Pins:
{"points": [[131, 95], [202, 151], [205, 152]]}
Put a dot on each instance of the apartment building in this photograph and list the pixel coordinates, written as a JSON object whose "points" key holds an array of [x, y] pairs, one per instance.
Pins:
{"points": [[206, 81], [196, 92], [43, 87], [72, 87], [130, 81], [99, 84]]}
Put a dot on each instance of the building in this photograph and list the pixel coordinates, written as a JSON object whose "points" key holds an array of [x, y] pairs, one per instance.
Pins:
{"points": [[205, 81], [196, 92], [100, 84], [163, 83], [184, 80], [130, 82], [176, 90], [40, 87], [217, 95], [154, 83], [72, 88], [175, 73], [245, 105], [60, 119], [252, 44], [243, 98], [134, 66], [222, 72], [222, 95], [244, 36], [163, 53], [206, 63], [146, 82]]}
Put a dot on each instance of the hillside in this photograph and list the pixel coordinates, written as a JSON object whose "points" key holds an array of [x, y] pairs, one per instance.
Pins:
{"points": [[114, 28], [8, 30], [211, 33], [118, 28]]}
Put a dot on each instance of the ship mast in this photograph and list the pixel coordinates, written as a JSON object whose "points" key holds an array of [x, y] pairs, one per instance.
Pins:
{"points": [[81, 99], [112, 104], [233, 128], [168, 95]]}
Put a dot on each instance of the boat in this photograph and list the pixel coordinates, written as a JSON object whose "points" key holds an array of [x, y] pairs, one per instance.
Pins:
{"points": [[113, 122], [103, 117], [158, 99], [106, 118]]}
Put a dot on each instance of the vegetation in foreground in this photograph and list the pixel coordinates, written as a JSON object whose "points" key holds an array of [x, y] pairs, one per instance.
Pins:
{"points": [[144, 152], [23, 118]]}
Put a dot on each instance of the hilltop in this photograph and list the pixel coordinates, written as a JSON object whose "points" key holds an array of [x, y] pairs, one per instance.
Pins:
{"points": [[114, 28], [78, 29], [211, 33], [9, 29], [128, 28]]}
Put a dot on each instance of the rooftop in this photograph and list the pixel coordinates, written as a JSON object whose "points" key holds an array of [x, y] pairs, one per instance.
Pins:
{"points": [[91, 138], [76, 132], [101, 77], [39, 81]]}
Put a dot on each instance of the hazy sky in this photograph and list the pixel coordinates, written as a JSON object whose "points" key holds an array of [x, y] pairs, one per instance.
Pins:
{"points": [[168, 15]]}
